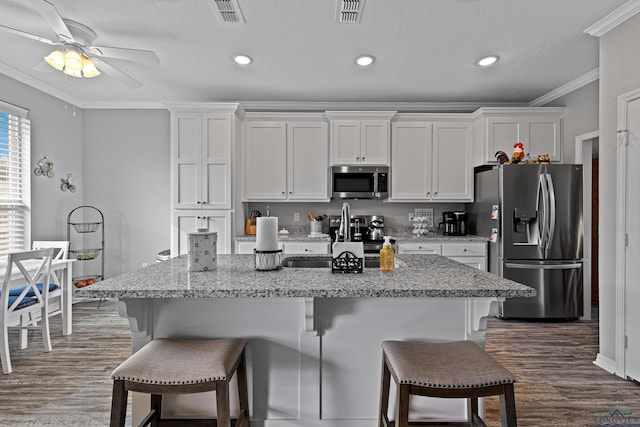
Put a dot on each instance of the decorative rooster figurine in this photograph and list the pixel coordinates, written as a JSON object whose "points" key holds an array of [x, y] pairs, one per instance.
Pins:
{"points": [[518, 153], [502, 157]]}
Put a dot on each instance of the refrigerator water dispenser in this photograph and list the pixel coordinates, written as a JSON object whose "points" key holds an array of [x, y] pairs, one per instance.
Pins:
{"points": [[525, 226]]}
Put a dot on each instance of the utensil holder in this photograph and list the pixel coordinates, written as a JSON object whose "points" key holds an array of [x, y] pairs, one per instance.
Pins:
{"points": [[268, 260], [347, 262], [315, 227]]}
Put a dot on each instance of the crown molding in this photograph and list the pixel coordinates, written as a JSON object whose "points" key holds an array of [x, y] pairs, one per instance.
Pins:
{"points": [[37, 84], [614, 19], [566, 88], [416, 107]]}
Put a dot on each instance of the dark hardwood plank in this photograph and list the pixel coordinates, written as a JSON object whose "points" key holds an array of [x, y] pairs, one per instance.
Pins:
{"points": [[558, 384]]}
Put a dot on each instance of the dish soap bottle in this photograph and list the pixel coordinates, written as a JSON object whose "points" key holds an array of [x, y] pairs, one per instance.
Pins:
{"points": [[387, 256]]}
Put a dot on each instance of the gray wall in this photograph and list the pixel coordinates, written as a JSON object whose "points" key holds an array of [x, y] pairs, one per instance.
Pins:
{"points": [[127, 164], [619, 65], [58, 134], [581, 116]]}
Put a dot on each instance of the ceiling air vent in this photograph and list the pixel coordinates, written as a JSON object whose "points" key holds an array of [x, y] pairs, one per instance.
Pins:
{"points": [[349, 11], [228, 11]]}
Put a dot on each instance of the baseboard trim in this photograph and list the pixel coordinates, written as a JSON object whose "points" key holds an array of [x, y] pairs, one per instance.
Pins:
{"points": [[605, 363]]}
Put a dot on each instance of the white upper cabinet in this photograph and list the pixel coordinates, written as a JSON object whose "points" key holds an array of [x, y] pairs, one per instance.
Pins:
{"points": [[360, 138], [431, 161], [538, 128], [286, 160], [201, 159]]}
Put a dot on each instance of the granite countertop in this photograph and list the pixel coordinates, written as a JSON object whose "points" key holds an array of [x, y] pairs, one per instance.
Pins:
{"points": [[236, 277], [400, 236]]}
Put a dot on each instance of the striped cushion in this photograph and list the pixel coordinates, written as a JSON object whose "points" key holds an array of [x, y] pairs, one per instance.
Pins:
{"points": [[26, 302], [17, 291]]}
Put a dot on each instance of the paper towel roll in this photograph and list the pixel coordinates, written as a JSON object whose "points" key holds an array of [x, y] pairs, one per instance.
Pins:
{"points": [[267, 233]]}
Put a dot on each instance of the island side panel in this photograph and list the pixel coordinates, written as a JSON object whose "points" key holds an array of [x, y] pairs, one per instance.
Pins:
{"points": [[352, 330], [327, 376]]}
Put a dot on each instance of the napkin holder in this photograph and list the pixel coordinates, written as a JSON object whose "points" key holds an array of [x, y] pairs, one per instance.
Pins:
{"points": [[348, 257]]}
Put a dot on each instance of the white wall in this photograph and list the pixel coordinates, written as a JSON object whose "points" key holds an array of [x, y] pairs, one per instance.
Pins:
{"points": [[57, 133], [619, 65], [127, 163]]}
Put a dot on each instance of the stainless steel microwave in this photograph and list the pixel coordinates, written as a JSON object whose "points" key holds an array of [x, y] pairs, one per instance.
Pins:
{"points": [[359, 182]]}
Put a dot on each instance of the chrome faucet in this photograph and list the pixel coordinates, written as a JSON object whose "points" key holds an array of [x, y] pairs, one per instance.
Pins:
{"points": [[345, 223]]}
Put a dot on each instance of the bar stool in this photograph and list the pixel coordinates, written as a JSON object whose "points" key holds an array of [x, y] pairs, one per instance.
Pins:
{"points": [[166, 366], [458, 369]]}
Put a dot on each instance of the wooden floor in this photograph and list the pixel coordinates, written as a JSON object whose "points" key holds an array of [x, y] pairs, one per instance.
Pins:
{"points": [[558, 384]]}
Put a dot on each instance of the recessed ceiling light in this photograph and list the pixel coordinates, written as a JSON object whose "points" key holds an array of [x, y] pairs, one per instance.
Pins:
{"points": [[242, 59], [487, 60], [364, 60]]}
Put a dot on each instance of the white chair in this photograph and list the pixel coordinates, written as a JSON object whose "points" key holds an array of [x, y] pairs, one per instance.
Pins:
{"points": [[61, 251], [61, 245], [30, 299]]}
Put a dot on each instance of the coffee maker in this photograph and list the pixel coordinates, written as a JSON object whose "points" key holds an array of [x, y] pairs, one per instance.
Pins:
{"points": [[454, 223]]}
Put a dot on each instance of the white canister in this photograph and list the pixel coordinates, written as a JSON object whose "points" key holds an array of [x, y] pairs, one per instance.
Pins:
{"points": [[202, 255]]}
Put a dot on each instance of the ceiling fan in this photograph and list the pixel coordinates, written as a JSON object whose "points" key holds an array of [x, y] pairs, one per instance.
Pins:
{"points": [[77, 41]]}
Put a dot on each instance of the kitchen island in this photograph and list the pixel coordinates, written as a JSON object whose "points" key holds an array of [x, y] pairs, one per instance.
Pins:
{"points": [[314, 337]]}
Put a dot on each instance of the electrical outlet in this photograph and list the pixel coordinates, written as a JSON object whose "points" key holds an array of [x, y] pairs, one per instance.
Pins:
{"points": [[144, 264], [411, 215], [296, 216]]}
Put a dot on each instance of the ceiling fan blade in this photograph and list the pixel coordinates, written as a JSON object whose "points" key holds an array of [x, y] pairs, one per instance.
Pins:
{"points": [[136, 55], [51, 15], [115, 73], [28, 35]]}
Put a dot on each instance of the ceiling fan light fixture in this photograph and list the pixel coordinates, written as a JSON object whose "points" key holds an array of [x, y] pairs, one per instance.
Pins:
{"points": [[242, 59], [89, 69], [487, 61], [72, 72], [55, 59], [72, 60], [364, 60]]}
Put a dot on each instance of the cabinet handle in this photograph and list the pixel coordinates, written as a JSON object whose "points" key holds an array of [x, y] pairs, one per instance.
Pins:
{"points": [[435, 194], [363, 159], [290, 192], [428, 192], [419, 247], [306, 250], [358, 158], [283, 193]]}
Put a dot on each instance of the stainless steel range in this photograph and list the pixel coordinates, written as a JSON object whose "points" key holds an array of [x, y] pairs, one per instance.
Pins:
{"points": [[369, 229]]}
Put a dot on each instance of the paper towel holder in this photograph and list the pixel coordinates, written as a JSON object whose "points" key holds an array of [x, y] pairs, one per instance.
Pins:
{"points": [[268, 260]]}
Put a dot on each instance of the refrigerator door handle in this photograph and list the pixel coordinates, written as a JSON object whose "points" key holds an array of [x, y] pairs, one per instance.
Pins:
{"points": [[552, 212], [542, 213], [544, 266]]}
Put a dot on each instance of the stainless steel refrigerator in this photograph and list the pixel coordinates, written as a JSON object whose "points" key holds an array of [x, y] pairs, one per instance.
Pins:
{"points": [[532, 215]]}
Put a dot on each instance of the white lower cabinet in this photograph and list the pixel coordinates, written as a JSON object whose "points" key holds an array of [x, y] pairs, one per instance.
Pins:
{"points": [[302, 248], [248, 246], [188, 221], [473, 254], [289, 248], [420, 248]]}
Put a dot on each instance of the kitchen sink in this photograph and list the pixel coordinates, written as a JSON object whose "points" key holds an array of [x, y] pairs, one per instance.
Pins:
{"points": [[299, 262]]}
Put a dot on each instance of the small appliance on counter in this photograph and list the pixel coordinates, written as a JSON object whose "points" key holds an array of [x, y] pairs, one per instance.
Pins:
{"points": [[454, 223], [368, 229]]}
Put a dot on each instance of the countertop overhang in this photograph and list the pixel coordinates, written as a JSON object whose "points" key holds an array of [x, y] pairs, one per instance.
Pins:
{"points": [[430, 276]]}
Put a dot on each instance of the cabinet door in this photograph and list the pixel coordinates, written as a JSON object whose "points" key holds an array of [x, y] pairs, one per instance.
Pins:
{"points": [[411, 160], [419, 248], [265, 161], [216, 161], [472, 261], [374, 142], [542, 136], [502, 133], [452, 170], [186, 151], [307, 161], [345, 142], [306, 248], [189, 221]]}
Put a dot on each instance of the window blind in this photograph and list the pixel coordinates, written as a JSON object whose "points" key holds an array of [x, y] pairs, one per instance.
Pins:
{"points": [[15, 180]]}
